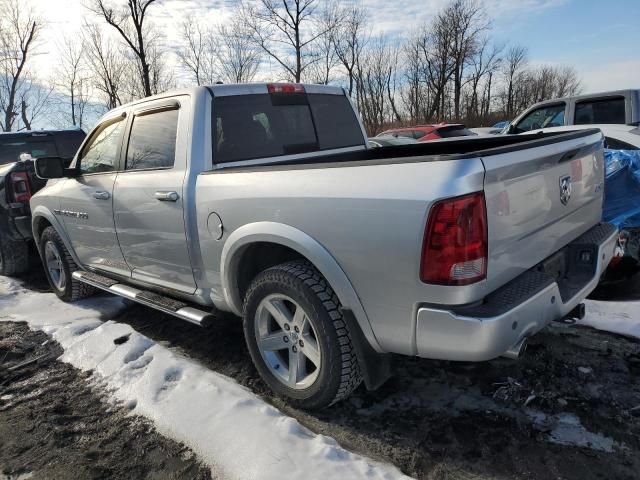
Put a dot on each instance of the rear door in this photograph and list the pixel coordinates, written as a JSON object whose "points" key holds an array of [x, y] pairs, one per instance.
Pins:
{"points": [[86, 200], [149, 198], [540, 196]]}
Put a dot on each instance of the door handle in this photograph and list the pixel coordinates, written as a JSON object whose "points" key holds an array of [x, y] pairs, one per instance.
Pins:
{"points": [[167, 196], [101, 195]]}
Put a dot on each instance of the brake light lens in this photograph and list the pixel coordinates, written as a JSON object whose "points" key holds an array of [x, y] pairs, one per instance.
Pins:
{"points": [[20, 187], [285, 88], [454, 251]]}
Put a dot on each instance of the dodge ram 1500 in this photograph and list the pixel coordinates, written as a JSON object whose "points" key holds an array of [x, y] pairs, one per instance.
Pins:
{"points": [[264, 201]]}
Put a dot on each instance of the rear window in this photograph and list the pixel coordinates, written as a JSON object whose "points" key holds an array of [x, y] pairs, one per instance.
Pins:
{"points": [[448, 132], [606, 110], [10, 150], [263, 125]]}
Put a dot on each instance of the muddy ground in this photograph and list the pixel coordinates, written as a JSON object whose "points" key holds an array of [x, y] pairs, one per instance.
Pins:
{"points": [[53, 425], [569, 409]]}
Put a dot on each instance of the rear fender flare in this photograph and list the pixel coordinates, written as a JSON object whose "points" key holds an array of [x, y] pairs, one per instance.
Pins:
{"points": [[306, 246]]}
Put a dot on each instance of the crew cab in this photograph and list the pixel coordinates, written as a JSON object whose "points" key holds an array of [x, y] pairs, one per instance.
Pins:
{"points": [[621, 107], [264, 201], [18, 182]]}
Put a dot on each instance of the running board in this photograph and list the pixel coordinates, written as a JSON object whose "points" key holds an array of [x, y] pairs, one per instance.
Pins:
{"points": [[154, 300]]}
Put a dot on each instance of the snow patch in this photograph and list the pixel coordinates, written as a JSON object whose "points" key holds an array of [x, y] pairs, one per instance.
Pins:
{"points": [[227, 425], [615, 317], [566, 429]]}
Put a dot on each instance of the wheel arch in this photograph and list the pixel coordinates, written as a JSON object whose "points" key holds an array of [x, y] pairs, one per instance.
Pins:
{"points": [[289, 239], [42, 218]]}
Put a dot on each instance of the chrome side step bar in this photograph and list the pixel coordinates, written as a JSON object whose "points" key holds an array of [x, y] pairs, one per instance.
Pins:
{"points": [[150, 299]]}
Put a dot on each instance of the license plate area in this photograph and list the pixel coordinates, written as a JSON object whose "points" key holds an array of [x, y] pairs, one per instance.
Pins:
{"points": [[571, 268]]}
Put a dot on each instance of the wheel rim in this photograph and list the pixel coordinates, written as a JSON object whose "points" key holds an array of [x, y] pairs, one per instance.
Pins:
{"points": [[54, 266], [288, 341]]}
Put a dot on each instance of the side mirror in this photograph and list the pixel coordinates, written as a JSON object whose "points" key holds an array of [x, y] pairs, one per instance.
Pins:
{"points": [[50, 167]]}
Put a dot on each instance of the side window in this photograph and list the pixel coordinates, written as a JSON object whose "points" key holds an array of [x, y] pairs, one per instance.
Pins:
{"points": [[100, 155], [152, 143], [605, 110], [543, 117], [418, 134]]}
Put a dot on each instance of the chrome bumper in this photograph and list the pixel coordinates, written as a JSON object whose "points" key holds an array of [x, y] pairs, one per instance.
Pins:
{"points": [[487, 331]]}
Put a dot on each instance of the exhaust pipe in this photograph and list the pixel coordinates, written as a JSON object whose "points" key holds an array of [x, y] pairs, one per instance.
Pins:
{"points": [[518, 349]]}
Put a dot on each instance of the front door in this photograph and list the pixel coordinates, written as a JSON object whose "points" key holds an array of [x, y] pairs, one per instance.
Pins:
{"points": [[148, 197], [86, 201]]}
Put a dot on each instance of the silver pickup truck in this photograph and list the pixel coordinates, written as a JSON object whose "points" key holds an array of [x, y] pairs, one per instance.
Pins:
{"points": [[264, 201]]}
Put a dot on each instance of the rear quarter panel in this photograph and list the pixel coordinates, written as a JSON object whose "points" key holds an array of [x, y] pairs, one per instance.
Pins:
{"points": [[370, 219]]}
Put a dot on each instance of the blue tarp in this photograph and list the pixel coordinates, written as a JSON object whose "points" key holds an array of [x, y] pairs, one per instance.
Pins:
{"points": [[622, 188]]}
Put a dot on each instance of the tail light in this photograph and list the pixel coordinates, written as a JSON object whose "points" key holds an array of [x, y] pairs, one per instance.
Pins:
{"points": [[20, 187], [454, 251], [285, 88]]}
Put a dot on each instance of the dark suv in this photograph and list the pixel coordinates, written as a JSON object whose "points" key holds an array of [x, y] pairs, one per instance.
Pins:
{"points": [[18, 182]]}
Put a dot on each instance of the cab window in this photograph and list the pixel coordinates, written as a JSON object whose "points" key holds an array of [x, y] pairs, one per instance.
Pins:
{"points": [[152, 143], [604, 110], [543, 117], [101, 154]]}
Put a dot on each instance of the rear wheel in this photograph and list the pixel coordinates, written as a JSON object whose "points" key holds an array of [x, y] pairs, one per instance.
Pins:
{"points": [[58, 267], [297, 336], [14, 257]]}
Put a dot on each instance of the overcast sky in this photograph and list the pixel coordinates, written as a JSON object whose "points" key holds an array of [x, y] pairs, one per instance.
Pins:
{"points": [[599, 38]]}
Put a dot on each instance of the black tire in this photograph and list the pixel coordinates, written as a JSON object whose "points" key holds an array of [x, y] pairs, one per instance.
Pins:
{"points": [[339, 372], [14, 257], [73, 289]]}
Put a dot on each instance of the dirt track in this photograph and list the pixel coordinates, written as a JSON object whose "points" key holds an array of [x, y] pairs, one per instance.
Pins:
{"points": [[443, 420]]}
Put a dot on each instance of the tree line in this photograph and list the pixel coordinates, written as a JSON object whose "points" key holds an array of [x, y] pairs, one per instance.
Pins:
{"points": [[449, 69]]}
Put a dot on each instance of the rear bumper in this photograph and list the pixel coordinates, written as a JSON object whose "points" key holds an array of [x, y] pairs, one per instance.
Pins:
{"points": [[517, 310]]}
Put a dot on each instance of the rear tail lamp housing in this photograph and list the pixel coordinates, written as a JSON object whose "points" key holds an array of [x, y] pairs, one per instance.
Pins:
{"points": [[454, 251], [20, 187]]}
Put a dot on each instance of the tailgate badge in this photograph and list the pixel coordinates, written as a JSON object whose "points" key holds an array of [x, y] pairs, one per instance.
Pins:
{"points": [[565, 189]]}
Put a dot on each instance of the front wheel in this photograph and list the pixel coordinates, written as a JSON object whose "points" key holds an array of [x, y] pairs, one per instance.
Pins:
{"points": [[58, 267], [297, 336]]}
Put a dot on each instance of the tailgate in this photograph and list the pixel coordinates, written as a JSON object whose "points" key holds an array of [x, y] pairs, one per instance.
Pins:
{"points": [[540, 196]]}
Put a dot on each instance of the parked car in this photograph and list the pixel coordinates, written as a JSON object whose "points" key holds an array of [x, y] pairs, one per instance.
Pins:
{"points": [[424, 133], [620, 107], [265, 201], [494, 130], [18, 183], [390, 140]]}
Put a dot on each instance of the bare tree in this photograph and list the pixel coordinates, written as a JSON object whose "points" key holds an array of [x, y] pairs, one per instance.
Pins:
{"points": [[129, 22], [199, 51], [350, 39], [71, 77], [376, 84], [286, 31], [514, 64], [20, 29], [34, 101], [484, 63], [239, 58], [107, 66], [466, 21]]}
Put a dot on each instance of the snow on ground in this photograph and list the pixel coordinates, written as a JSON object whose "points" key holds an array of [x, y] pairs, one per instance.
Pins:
{"points": [[616, 317], [232, 429]]}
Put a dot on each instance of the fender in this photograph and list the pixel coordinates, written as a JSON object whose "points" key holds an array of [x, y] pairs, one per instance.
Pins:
{"points": [[306, 246], [42, 212]]}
